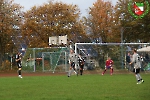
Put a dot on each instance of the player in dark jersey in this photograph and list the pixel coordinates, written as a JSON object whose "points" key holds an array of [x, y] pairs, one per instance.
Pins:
{"points": [[18, 60], [81, 63], [108, 65]]}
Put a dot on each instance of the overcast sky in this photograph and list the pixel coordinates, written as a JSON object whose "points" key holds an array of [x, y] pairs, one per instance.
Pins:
{"points": [[83, 4]]}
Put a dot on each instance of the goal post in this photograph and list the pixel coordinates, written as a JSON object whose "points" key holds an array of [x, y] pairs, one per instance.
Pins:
{"points": [[109, 44], [45, 59], [103, 50], [48, 58]]}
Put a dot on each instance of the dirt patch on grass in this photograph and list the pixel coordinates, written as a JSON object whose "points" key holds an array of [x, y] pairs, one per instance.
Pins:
{"points": [[14, 73]]}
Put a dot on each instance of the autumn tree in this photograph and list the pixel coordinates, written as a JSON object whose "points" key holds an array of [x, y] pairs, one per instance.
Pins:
{"points": [[100, 21], [10, 19], [141, 26], [133, 29], [51, 19], [99, 26]]}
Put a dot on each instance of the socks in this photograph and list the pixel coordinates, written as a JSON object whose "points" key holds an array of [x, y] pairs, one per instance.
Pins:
{"points": [[81, 71], [19, 72], [70, 71], [137, 77], [104, 71], [111, 71]]}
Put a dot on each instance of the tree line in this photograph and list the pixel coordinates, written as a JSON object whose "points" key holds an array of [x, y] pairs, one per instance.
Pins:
{"points": [[104, 23]]}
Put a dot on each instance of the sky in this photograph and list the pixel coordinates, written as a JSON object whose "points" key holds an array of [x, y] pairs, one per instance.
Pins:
{"points": [[83, 4]]}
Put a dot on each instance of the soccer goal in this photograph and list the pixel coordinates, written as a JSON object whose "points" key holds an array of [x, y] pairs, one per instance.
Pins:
{"points": [[45, 59], [55, 61], [52, 58], [96, 54]]}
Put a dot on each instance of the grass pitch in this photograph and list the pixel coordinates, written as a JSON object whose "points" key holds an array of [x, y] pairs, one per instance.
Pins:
{"points": [[86, 87]]}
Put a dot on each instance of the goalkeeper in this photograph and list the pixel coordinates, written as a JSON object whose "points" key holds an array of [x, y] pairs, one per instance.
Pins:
{"points": [[108, 65]]}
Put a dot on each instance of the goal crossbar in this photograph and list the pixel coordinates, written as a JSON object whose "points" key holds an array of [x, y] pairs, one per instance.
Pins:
{"points": [[109, 44]]}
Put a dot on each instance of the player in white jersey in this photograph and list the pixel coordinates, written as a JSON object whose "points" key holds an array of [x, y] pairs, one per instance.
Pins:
{"points": [[136, 60], [72, 62]]}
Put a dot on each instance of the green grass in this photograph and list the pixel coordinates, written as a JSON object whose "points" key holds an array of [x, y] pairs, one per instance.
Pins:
{"points": [[86, 87]]}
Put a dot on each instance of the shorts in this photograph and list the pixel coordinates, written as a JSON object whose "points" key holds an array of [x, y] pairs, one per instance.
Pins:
{"points": [[136, 71], [81, 66], [108, 67], [19, 65], [72, 64]]}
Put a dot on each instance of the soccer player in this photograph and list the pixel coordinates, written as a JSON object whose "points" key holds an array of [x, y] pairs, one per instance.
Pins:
{"points": [[72, 62], [108, 65], [18, 60], [128, 60], [81, 63], [136, 60]]}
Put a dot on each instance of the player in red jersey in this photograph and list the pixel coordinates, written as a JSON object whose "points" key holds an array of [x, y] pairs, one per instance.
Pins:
{"points": [[108, 65]]}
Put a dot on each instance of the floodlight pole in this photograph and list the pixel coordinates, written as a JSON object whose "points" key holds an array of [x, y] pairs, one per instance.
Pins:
{"points": [[34, 59], [122, 31]]}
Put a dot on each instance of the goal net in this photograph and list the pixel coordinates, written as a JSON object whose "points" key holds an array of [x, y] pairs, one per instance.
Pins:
{"points": [[96, 54], [45, 59], [55, 61]]}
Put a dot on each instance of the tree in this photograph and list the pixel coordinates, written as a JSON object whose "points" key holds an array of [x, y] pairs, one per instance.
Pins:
{"points": [[133, 29], [10, 19], [51, 19], [99, 26], [100, 20], [141, 26]]}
